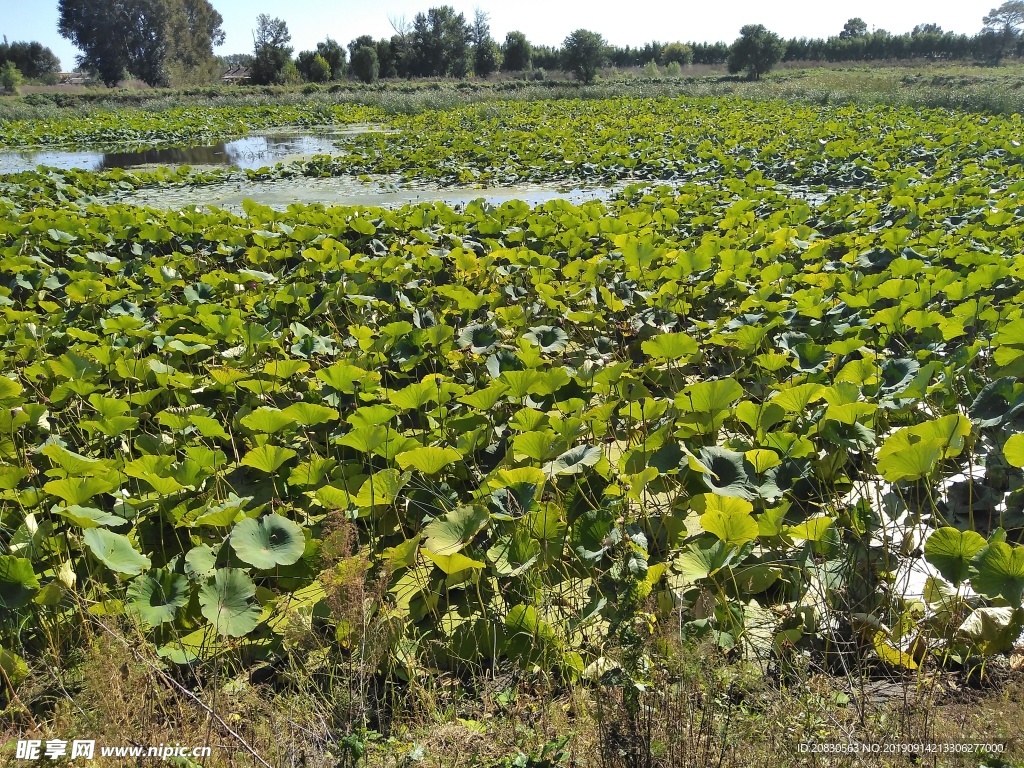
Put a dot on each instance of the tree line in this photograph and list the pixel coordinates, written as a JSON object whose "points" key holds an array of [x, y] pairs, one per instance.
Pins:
{"points": [[161, 42], [171, 42], [442, 43], [32, 60]]}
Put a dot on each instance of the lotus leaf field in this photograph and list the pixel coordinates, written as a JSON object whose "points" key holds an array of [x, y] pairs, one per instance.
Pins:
{"points": [[776, 377]]}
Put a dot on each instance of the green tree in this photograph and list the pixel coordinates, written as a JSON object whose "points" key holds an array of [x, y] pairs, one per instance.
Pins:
{"points": [[440, 43], [33, 60], [365, 64], [486, 58], [150, 39], [359, 42], [486, 53], [1008, 18], [583, 53], [855, 27], [313, 67], [756, 50], [1002, 27], [10, 77], [517, 53], [271, 52], [334, 54], [677, 52], [118, 38], [193, 29]]}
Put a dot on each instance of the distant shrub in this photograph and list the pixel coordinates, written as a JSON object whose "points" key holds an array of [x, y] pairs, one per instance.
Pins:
{"points": [[10, 77]]}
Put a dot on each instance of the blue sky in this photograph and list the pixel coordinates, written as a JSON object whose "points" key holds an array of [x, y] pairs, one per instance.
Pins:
{"points": [[543, 21]]}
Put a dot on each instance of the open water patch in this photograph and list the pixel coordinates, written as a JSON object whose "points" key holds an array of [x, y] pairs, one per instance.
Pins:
{"points": [[247, 153], [382, 191]]}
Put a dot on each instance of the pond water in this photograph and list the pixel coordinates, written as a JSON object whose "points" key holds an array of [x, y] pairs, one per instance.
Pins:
{"points": [[382, 191], [388, 191], [250, 152]]}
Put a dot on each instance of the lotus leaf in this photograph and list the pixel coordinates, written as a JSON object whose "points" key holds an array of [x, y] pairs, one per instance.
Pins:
{"points": [[268, 541]]}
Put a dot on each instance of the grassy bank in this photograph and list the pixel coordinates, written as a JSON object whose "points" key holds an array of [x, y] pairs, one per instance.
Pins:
{"points": [[699, 708], [954, 86]]}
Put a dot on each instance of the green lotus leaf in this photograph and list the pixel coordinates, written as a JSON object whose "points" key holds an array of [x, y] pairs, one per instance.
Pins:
{"points": [[429, 459], [209, 427], [549, 338], [78, 490], [485, 399], [414, 396], [812, 529], [226, 602], [574, 461], [200, 562], [514, 554], [594, 533], [699, 561], [709, 397], [18, 581], [911, 453], [347, 378], [897, 375], [268, 458], [728, 518], [157, 595], [997, 571], [753, 579], [948, 431], [546, 523], [524, 620], [478, 338], [670, 346], [334, 498], [73, 464], [267, 420], [285, 369], [14, 667], [89, 517], [515, 500], [855, 437], [1013, 450], [115, 551], [521, 383], [268, 541], [909, 462], [453, 563], [996, 403], [811, 358], [382, 488], [950, 551], [453, 531], [539, 445], [797, 399], [310, 414], [371, 416], [223, 514], [727, 475], [10, 477], [365, 439]]}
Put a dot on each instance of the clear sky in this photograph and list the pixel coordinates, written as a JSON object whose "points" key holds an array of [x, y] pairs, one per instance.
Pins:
{"points": [[544, 21]]}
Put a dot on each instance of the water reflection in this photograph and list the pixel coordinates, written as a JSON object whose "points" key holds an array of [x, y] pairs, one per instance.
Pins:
{"points": [[249, 152]]}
